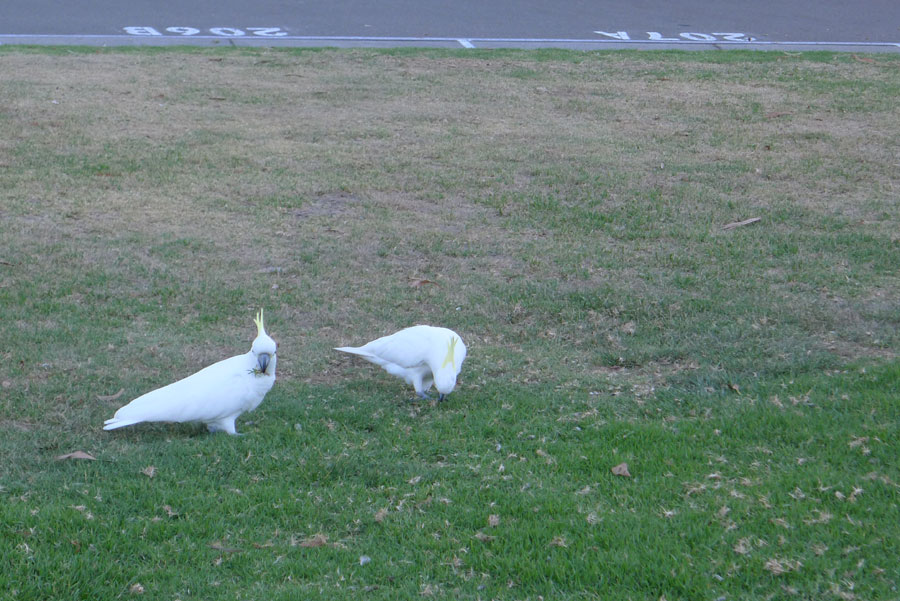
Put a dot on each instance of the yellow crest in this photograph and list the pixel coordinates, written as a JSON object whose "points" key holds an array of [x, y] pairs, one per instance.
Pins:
{"points": [[450, 358], [260, 328]]}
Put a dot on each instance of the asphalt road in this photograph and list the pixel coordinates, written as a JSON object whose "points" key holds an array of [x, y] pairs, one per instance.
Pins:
{"points": [[865, 25]]}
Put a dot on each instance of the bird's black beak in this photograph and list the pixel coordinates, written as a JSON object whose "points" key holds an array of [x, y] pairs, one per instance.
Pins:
{"points": [[263, 362]]}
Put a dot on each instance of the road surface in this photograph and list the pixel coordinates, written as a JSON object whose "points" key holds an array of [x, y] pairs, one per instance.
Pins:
{"points": [[866, 25]]}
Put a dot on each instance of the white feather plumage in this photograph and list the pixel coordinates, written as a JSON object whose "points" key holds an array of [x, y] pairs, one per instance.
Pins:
{"points": [[215, 395], [421, 355]]}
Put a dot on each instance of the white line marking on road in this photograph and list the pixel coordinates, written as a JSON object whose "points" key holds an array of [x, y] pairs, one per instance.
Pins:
{"points": [[465, 43], [430, 40]]}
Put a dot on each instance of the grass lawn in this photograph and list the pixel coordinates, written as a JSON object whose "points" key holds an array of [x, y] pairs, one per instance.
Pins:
{"points": [[682, 262]]}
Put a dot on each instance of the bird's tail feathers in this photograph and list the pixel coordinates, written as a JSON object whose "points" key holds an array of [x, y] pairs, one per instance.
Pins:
{"points": [[356, 350], [353, 350], [118, 422]]}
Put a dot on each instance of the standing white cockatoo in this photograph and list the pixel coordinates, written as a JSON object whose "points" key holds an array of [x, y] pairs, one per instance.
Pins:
{"points": [[421, 355], [215, 395]]}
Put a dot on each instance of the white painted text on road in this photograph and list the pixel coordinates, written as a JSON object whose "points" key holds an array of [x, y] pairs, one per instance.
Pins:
{"points": [[225, 32], [690, 36]]}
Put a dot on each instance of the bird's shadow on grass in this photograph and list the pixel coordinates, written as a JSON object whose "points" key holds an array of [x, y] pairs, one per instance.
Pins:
{"points": [[162, 432]]}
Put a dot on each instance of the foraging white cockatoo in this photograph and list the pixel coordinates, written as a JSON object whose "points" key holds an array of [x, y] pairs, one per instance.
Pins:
{"points": [[421, 355], [215, 395]]}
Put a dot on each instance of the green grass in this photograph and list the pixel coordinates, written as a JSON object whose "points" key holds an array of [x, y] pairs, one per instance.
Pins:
{"points": [[725, 492], [568, 210]]}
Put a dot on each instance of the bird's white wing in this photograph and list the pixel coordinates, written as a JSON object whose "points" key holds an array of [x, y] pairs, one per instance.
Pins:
{"points": [[217, 391], [409, 347]]}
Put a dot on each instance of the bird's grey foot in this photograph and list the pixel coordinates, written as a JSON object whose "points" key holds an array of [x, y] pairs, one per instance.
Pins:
{"points": [[423, 396], [441, 398]]}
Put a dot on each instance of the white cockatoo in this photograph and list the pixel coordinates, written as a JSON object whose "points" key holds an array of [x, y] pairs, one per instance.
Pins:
{"points": [[421, 355], [215, 395]]}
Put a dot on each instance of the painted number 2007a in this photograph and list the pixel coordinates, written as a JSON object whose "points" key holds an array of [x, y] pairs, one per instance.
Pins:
{"points": [[655, 36], [225, 32]]}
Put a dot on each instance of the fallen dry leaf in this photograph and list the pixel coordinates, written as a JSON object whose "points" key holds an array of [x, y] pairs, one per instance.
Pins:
{"points": [[548, 458], [743, 546], [780, 566], [781, 522], [493, 520], [169, 511], [485, 538], [559, 541], [621, 470], [863, 59], [84, 510], [317, 540], [776, 114], [858, 441], [76, 455], [418, 283], [775, 566], [112, 397], [731, 226], [136, 589], [380, 515], [149, 471], [414, 480], [220, 546], [823, 518]]}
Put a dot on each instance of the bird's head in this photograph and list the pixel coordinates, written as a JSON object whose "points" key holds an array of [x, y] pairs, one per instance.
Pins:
{"points": [[445, 377], [263, 349]]}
